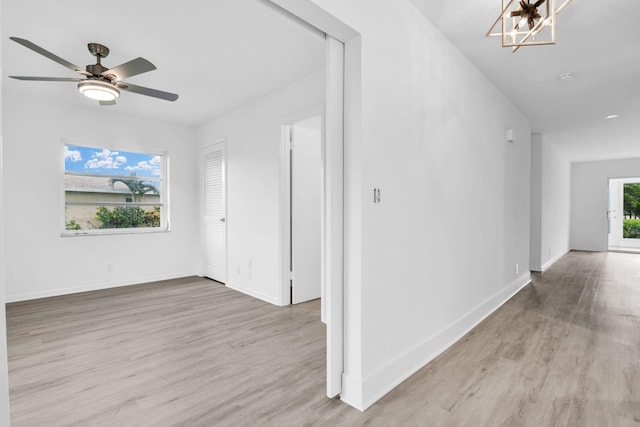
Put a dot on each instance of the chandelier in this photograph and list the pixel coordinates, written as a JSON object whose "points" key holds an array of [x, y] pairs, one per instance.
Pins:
{"points": [[522, 23]]}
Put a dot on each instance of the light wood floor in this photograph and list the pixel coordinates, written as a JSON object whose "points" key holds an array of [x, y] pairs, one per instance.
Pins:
{"points": [[564, 351]]}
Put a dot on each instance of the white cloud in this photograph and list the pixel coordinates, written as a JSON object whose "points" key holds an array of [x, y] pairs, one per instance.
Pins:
{"points": [[73, 155], [152, 165], [105, 159]]}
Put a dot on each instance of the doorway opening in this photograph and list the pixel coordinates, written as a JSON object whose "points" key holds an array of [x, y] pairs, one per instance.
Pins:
{"points": [[249, 177], [302, 163], [624, 215]]}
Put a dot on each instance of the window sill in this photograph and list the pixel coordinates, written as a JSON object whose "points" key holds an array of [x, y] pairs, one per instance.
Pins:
{"points": [[112, 232]]}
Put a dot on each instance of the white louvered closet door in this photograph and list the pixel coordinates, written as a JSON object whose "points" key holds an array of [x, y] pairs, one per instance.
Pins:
{"points": [[214, 212]]}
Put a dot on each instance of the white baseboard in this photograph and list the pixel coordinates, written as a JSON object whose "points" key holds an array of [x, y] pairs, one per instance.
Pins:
{"points": [[554, 259], [251, 292], [362, 394], [352, 391], [548, 263], [93, 287]]}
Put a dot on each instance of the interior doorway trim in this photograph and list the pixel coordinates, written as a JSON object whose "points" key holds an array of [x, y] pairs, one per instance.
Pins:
{"points": [[285, 200], [342, 108]]}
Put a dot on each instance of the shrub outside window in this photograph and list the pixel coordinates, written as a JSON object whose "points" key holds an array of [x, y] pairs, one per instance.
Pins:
{"points": [[113, 191]]}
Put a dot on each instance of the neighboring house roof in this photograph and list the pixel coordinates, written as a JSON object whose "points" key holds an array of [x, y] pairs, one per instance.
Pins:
{"points": [[93, 184]]}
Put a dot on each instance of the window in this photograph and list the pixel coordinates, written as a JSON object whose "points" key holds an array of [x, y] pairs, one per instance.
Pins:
{"points": [[108, 191]]}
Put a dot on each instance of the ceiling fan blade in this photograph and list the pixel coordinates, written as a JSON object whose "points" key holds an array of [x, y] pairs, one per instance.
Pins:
{"points": [[113, 102], [34, 47], [539, 3], [147, 91], [128, 69], [516, 13], [47, 79]]}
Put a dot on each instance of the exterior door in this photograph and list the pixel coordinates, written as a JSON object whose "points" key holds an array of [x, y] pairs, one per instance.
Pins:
{"points": [[624, 213], [214, 208]]}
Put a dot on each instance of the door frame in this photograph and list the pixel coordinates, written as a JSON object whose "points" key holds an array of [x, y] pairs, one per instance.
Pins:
{"points": [[285, 200], [341, 155], [612, 238], [203, 148], [621, 242]]}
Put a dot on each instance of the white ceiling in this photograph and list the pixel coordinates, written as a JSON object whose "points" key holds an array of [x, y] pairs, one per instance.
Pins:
{"points": [[596, 40], [217, 55], [220, 54]]}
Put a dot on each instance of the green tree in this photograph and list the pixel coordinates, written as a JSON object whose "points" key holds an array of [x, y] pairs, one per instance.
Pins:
{"points": [[152, 218], [127, 217], [631, 204], [120, 217], [130, 216], [631, 229], [136, 187], [73, 225]]}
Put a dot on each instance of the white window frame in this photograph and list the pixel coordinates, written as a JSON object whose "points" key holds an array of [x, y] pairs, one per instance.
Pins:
{"points": [[164, 192]]}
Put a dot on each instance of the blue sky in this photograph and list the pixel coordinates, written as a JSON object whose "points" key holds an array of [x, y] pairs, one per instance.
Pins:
{"points": [[103, 161]]}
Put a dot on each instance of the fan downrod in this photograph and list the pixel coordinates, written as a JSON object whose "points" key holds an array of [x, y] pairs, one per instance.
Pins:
{"points": [[99, 51]]}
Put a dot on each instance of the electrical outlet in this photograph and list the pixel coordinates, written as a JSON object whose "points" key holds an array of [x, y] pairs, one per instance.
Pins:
{"points": [[249, 268], [238, 270], [517, 269], [109, 268]]}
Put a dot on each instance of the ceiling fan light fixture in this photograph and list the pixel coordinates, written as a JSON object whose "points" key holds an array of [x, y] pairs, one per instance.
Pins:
{"points": [[98, 90]]}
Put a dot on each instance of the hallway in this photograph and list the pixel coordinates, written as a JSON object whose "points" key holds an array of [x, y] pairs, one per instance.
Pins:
{"points": [[564, 351]]}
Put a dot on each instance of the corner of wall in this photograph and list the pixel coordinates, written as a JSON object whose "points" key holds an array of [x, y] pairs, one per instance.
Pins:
{"points": [[364, 393], [549, 263], [252, 292], [352, 392]]}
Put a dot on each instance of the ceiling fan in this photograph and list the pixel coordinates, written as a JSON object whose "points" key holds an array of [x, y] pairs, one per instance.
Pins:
{"points": [[100, 83]]}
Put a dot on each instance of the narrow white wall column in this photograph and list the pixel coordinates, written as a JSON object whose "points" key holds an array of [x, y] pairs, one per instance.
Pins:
{"points": [[4, 380]]}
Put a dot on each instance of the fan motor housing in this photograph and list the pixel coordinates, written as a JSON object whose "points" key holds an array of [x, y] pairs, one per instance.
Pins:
{"points": [[96, 69]]}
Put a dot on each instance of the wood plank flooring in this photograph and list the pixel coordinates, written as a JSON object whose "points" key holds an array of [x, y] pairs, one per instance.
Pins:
{"points": [[565, 351]]}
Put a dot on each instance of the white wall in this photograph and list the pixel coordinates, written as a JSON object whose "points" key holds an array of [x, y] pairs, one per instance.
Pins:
{"points": [[589, 200], [550, 204], [253, 136], [4, 380], [306, 206], [439, 252], [535, 251], [39, 262]]}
